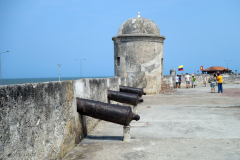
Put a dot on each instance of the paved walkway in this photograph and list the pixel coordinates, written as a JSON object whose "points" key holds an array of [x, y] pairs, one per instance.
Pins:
{"points": [[190, 124]]}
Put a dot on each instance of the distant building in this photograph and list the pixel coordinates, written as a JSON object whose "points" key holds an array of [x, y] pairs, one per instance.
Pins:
{"points": [[138, 54], [214, 69]]}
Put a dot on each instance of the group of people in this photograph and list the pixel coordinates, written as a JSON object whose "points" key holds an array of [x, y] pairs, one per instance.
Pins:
{"points": [[216, 80], [178, 80], [188, 78]]}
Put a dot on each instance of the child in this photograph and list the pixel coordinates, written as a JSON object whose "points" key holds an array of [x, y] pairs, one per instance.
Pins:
{"points": [[193, 81]]}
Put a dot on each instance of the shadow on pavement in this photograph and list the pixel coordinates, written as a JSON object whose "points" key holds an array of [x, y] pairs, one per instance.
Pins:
{"points": [[118, 138]]}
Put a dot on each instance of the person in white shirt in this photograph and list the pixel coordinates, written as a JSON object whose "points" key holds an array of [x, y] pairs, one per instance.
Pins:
{"points": [[187, 79], [176, 80], [205, 80]]}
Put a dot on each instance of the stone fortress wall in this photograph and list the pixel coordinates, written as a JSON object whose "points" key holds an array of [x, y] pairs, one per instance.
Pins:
{"points": [[233, 78], [40, 120]]}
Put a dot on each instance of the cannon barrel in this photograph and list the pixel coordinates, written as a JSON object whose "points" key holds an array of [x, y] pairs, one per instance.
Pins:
{"points": [[123, 97], [109, 112], [127, 89]]}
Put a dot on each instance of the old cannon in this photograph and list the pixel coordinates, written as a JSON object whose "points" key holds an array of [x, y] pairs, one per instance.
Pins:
{"points": [[123, 97], [127, 89], [109, 112]]}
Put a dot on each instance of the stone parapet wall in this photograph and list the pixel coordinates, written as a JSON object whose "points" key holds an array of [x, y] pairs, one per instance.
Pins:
{"points": [[40, 120], [169, 80], [231, 78], [167, 85], [227, 79]]}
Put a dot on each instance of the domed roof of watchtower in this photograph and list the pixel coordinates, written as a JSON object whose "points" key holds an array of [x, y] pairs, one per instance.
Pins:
{"points": [[138, 25]]}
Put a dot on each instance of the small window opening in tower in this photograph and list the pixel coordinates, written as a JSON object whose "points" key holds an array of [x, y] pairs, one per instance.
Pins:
{"points": [[118, 61]]}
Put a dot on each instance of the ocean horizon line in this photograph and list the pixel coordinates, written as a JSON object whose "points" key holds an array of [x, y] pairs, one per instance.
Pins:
{"points": [[58, 77], [12, 81]]}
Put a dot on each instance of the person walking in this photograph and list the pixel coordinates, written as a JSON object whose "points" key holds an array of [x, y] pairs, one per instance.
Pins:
{"points": [[193, 81], [205, 80], [180, 80], [187, 79], [219, 79], [213, 83], [176, 80]]}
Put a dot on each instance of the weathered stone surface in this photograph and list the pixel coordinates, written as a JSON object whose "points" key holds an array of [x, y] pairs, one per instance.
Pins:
{"points": [[126, 134], [34, 119], [141, 62], [123, 81], [40, 121]]}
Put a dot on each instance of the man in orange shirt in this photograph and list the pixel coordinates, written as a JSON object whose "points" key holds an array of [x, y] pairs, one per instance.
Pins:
{"points": [[219, 79]]}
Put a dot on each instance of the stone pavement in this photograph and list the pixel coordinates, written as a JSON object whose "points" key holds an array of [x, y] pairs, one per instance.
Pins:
{"points": [[189, 124]]}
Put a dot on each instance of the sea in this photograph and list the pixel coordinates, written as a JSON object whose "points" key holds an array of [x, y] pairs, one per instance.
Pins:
{"points": [[38, 80]]}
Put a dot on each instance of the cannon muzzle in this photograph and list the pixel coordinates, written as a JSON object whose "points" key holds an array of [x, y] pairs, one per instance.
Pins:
{"points": [[136, 117], [109, 112], [123, 97], [127, 89]]}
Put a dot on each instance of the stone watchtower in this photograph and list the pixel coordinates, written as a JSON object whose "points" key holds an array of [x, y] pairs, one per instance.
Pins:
{"points": [[138, 54], [173, 72]]}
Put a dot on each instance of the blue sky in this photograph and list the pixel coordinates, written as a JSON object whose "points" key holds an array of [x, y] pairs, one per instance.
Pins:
{"points": [[41, 34]]}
